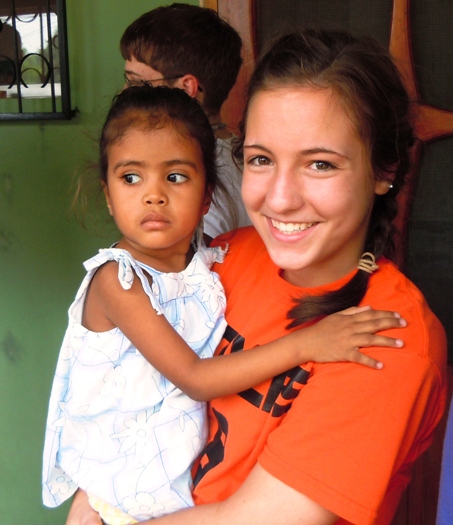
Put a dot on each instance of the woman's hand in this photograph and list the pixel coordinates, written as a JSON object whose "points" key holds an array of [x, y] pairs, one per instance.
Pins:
{"points": [[339, 336], [81, 512]]}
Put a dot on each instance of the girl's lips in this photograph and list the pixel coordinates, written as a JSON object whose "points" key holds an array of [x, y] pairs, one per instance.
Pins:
{"points": [[154, 217], [155, 221]]}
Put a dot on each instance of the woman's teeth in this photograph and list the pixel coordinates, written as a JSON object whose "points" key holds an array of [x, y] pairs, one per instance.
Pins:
{"points": [[290, 227]]}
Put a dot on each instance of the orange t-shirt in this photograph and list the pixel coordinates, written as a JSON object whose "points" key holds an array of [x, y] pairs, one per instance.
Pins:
{"points": [[343, 434]]}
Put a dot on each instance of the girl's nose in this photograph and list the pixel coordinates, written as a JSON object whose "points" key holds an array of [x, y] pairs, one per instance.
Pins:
{"points": [[154, 199], [155, 194], [284, 192]]}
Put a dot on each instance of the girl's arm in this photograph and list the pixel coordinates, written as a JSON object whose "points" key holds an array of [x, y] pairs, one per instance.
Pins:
{"points": [[335, 338]]}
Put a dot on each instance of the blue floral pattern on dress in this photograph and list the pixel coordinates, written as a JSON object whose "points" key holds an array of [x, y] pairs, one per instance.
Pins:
{"points": [[116, 427]]}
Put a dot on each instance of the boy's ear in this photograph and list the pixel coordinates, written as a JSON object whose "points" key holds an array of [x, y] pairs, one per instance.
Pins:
{"points": [[105, 189], [189, 84]]}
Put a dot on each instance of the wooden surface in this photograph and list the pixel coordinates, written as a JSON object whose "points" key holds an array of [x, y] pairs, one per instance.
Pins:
{"points": [[239, 13]]}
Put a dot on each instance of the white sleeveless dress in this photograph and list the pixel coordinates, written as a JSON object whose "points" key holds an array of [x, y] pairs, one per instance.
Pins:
{"points": [[116, 427]]}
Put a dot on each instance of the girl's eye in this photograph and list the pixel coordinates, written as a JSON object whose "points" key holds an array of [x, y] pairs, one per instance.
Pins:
{"points": [[322, 166], [131, 178], [177, 178], [259, 160]]}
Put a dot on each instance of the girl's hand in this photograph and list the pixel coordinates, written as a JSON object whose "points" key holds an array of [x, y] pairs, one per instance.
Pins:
{"points": [[81, 512], [339, 336]]}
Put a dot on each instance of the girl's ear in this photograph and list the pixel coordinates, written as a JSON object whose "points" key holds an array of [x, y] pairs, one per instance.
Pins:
{"points": [[207, 201], [105, 189]]}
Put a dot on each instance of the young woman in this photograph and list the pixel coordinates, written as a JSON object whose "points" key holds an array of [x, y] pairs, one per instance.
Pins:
{"points": [[325, 146]]}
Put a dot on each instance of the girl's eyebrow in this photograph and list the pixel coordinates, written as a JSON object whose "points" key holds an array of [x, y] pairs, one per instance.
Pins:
{"points": [[184, 162], [167, 163], [127, 162]]}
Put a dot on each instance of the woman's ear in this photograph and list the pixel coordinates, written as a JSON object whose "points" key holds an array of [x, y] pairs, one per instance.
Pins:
{"points": [[105, 189], [385, 183], [381, 187]]}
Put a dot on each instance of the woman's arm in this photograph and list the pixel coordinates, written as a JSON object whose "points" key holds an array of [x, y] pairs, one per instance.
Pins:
{"points": [[81, 512], [335, 338], [261, 499]]}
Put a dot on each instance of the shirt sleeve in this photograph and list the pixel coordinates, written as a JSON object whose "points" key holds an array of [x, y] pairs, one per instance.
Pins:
{"points": [[354, 431]]}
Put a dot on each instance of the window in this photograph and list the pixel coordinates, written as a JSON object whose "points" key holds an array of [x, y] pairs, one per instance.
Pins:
{"points": [[34, 76]]}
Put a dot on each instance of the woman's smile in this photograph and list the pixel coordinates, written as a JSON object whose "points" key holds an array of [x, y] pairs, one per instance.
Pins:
{"points": [[291, 227]]}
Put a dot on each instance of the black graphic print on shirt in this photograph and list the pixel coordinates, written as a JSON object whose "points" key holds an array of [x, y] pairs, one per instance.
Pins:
{"points": [[278, 399]]}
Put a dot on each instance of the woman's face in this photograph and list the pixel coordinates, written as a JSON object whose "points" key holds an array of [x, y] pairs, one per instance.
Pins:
{"points": [[308, 184]]}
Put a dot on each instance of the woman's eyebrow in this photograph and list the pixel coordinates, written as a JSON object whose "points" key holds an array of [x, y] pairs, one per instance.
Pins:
{"points": [[315, 151], [309, 151], [256, 146]]}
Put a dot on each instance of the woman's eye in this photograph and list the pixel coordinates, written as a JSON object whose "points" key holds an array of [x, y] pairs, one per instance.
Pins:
{"points": [[259, 161], [177, 178], [131, 178], [321, 165]]}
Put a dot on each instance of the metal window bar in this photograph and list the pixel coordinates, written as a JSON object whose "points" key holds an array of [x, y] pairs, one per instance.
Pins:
{"points": [[55, 46]]}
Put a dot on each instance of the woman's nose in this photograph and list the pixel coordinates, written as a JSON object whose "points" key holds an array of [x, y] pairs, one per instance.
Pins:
{"points": [[285, 192]]}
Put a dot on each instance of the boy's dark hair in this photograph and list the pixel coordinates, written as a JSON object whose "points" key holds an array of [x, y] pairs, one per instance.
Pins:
{"points": [[146, 108], [361, 72], [184, 39]]}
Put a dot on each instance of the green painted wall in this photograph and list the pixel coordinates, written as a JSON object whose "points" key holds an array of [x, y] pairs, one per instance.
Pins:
{"points": [[42, 247]]}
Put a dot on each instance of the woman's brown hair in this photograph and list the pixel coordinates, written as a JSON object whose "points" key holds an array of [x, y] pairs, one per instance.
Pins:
{"points": [[361, 72]]}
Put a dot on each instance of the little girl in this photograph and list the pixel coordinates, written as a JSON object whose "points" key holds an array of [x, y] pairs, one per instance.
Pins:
{"points": [[126, 418]]}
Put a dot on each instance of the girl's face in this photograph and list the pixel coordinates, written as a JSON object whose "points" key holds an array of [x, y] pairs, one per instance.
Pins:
{"points": [[156, 192], [308, 184]]}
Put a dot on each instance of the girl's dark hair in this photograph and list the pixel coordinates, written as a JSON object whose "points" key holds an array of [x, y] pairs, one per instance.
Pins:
{"points": [[361, 72], [147, 108]]}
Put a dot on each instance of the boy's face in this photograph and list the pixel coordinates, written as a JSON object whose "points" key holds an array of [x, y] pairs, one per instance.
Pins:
{"points": [[137, 72]]}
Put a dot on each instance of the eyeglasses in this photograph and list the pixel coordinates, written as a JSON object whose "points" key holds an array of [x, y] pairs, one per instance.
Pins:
{"points": [[143, 82]]}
